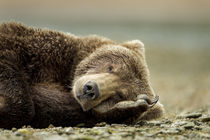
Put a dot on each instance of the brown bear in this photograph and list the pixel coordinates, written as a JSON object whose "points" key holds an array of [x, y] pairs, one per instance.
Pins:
{"points": [[49, 77]]}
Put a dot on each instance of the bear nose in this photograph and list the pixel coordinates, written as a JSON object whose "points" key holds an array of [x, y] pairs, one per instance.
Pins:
{"points": [[91, 90]]}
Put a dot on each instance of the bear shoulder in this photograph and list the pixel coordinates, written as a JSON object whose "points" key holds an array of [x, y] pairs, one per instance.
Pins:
{"points": [[15, 29]]}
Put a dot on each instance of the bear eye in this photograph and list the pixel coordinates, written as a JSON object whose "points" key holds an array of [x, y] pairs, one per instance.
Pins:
{"points": [[110, 69]]}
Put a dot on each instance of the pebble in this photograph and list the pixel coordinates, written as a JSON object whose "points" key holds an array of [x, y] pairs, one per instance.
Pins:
{"points": [[164, 126], [142, 123], [205, 118], [198, 123], [173, 131], [80, 125], [115, 125], [68, 130], [206, 129], [101, 124], [154, 123], [50, 126], [198, 128], [189, 125], [205, 136], [179, 123], [191, 115], [24, 131], [14, 129]]}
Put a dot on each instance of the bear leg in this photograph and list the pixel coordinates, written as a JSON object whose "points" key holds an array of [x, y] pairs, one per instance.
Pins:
{"points": [[127, 111], [16, 107]]}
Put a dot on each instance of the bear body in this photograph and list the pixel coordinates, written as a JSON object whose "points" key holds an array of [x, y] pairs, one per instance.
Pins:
{"points": [[49, 77]]}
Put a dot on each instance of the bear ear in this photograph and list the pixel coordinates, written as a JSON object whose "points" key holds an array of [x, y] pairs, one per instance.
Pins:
{"points": [[135, 45]]}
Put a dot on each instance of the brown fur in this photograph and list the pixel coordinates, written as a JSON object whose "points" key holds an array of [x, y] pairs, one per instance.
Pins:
{"points": [[39, 67]]}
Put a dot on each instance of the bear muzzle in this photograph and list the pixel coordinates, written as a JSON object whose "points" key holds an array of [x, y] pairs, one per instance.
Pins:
{"points": [[91, 90]]}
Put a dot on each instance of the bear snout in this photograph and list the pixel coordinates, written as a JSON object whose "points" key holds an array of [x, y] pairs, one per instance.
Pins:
{"points": [[90, 90]]}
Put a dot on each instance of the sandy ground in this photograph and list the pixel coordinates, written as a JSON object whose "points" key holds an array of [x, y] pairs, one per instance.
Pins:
{"points": [[188, 126], [181, 77]]}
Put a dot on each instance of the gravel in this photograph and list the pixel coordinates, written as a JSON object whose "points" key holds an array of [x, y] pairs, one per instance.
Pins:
{"points": [[193, 125]]}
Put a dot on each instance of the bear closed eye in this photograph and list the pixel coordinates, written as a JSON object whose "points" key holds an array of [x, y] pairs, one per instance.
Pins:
{"points": [[49, 77]]}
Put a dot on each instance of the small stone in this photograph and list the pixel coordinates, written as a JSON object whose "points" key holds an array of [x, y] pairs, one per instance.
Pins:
{"points": [[93, 132], [24, 131], [179, 123], [142, 123], [80, 125], [194, 115], [149, 135], [206, 129], [198, 128], [169, 131], [14, 129], [110, 131], [24, 126], [101, 124], [28, 126], [60, 132], [155, 123], [18, 134], [167, 121], [205, 136], [164, 126], [50, 126], [205, 119], [191, 115], [197, 123], [68, 130], [190, 125], [173, 131], [115, 125]]}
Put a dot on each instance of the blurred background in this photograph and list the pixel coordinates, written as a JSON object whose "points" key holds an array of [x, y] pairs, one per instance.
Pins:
{"points": [[176, 34]]}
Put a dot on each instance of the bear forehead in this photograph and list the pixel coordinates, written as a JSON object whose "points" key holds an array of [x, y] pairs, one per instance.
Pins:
{"points": [[117, 51], [115, 54]]}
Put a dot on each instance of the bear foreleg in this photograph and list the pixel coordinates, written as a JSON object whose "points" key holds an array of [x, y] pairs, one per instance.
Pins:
{"points": [[16, 107]]}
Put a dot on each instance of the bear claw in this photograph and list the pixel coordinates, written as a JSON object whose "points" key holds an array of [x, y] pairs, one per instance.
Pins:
{"points": [[150, 102], [143, 102]]}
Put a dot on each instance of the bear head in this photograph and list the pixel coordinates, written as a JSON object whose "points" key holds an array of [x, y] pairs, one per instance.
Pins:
{"points": [[112, 73]]}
